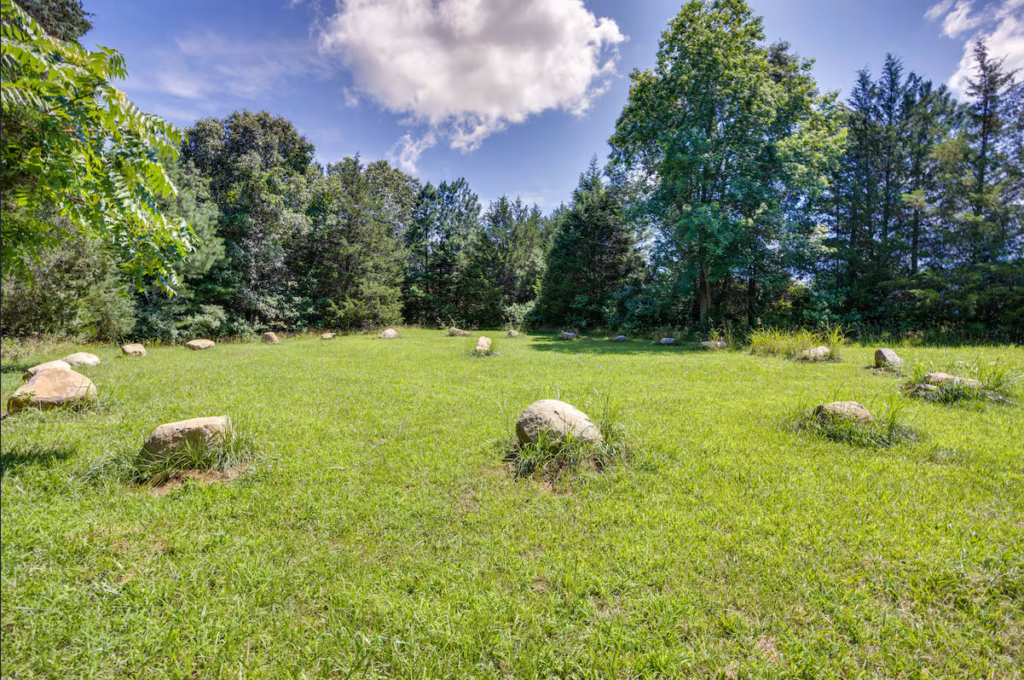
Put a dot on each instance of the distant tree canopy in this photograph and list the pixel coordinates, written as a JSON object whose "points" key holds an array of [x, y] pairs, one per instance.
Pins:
{"points": [[735, 193]]}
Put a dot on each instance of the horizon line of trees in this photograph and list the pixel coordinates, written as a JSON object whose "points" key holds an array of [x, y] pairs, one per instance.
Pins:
{"points": [[736, 192]]}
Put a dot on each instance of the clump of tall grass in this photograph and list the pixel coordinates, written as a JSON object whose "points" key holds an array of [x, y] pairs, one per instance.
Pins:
{"points": [[548, 459], [793, 343], [976, 381], [886, 430]]}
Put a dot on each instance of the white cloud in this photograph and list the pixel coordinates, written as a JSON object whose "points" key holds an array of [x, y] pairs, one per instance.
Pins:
{"points": [[466, 69], [1001, 25], [407, 150]]}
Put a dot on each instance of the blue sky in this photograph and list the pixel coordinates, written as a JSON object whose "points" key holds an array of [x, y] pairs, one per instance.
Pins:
{"points": [[513, 95]]}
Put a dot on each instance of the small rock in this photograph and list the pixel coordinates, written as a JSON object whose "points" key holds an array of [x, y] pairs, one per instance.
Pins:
{"points": [[458, 333], [928, 388], [483, 345], [847, 410], [326, 336], [713, 344], [52, 389], [196, 432], [667, 341], [886, 357], [199, 344], [58, 365], [816, 354], [270, 338], [82, 359], [946, 378], [133, 349], [619, 338], [568, 336], [513, 334], [389, 334], [557, 420]]}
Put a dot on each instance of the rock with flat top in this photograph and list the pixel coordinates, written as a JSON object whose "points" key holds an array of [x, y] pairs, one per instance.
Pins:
{"points": [[713, 344], [568, 336], [133, 349], [389, 334], [82, 359], [843, 410], [270, 339], [554, 422], [53, 389], [667, 341], [885, 358], [199, 344], [943, 379], [196, 433], [458, 333], [483, 345], [817, 354], [326, 336], [58, 365]]}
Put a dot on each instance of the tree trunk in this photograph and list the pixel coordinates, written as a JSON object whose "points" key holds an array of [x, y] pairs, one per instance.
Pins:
{"points": [[704, 293]]}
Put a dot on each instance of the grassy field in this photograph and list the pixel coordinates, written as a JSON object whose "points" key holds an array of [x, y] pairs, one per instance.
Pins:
{"points": [[379, 533]]}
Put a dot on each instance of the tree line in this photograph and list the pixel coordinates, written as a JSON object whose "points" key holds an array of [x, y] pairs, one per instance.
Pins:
{"points": [[736, 192]]}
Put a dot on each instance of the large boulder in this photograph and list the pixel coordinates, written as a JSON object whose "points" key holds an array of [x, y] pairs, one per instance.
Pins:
{"points": [[326, 336], [389, 334], [667, 341], [195, 433], [555, 421], [943, 379], [53, 389], [885, 358], [713, 344], [82, 359], [513, 334], [58, 365], [483, 345], [270, 339], [133, 349], [568, 336], [199, 344], [843, 410], [619, 338], [458, 333], [817, 354]]}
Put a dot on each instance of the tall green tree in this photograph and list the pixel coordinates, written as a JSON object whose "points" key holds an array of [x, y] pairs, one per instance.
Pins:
{"points": [[734, 142]]}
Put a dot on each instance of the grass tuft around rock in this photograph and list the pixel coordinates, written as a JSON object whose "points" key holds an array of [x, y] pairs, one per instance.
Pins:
{"points": [[886, 430], [979, 382]]}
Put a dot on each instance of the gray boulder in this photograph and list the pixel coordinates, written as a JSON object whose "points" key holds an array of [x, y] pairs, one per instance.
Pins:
{"points": [[619, 338], [886, 357], [942, 379], [817, 354], [555, 421], [513, 334], [843, 410], [196, 433], [389, 334], [667, 341], [458, 333], [568, 336]]}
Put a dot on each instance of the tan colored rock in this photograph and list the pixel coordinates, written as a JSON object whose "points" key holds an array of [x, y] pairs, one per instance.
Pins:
{"points": [[53, 389], [555, 421], [199, 344], [713, 344], [817, 354], [270, 339], [133, 349], [513, 334], [845, 410], [58, 365], [667, 341], [945, 378], [458, 333], [326, 336], [82, 359], [568, 336], [195, 433], [389, 334], [483, 345], [886, 357]]}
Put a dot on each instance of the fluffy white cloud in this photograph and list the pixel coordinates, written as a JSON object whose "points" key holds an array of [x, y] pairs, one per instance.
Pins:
{"points": [[1001, 24], [466, 69]]}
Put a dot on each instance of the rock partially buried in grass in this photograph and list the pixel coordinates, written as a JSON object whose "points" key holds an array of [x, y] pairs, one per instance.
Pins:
{"points": [[713, 344], [483, 345], [817, 354], [199, 344], [843, 410], [667, 341], [619, 338], [326, 336], [133, 349], [885, 358], [513, 334], [458, 333], [555, 421], [568, 336], [389, 334], [82, 359], [195, 433], [941, 379], [270, 339], [53, 389], [58, 365]]}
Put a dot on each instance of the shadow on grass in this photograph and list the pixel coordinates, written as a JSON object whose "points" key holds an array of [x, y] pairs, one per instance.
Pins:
{"points": [[597, 345], [21, 457]]}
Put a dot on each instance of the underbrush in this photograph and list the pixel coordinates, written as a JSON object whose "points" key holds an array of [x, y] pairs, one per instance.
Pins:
{"points": [[792, 343], [887, 429]]}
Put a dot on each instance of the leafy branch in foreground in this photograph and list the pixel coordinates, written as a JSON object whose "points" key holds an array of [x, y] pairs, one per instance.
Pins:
{"points": [[92, 156]]}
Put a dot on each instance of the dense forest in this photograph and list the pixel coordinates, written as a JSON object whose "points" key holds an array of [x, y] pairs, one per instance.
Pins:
{"points": [[736, 193]]}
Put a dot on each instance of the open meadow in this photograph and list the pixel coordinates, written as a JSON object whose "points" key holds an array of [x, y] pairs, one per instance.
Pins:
{"points": [[379, 532]]}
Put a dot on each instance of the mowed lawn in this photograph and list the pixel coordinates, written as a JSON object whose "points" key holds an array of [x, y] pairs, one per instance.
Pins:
{"points": [[379, 533]]}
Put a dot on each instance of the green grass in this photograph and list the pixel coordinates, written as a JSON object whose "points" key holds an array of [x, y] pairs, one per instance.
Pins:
{"points": [[791, 343], [378, 532]]}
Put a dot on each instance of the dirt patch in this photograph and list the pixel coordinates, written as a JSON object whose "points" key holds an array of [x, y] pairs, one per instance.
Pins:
{"points": [[766, 647], [468, 502], [167, 482]]}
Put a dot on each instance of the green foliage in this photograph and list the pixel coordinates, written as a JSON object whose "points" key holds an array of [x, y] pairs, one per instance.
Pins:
{"points": [[791, 344], [978, 382], [80, 149]]}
